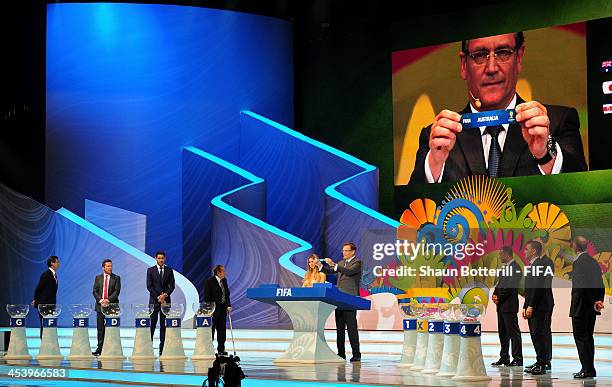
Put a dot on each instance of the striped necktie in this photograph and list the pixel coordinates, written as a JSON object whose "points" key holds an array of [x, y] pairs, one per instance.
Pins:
{"points": [[494, 150]]}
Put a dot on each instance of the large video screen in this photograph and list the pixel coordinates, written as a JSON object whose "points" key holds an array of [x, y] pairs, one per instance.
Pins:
{"points": [[548, 90]]}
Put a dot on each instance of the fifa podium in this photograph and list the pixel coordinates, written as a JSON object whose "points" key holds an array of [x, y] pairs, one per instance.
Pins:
{"points": [[308, 309]]}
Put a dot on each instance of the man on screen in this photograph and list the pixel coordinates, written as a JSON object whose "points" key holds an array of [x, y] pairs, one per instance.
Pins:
{"points": [[544, 140]]}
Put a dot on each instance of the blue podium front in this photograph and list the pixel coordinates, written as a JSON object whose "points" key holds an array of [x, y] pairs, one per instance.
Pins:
{"points": [[308, 309]]}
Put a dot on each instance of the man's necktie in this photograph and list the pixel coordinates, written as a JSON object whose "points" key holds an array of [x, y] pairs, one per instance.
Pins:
{"points": [[222, 292], [105, 292], [55, 277], [161, 275], [494, 149]]}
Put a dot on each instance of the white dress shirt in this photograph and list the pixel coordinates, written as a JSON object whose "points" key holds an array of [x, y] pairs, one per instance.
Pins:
{"points": [[486, 145], [346, 264]]}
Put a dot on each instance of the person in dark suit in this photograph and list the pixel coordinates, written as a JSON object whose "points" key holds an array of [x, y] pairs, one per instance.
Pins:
{"points": [[217, 291], [505, 296], [46, 290], [349, 281], [544, 140], [160, 284], [538, 305], [587, 303], [106, 289]]}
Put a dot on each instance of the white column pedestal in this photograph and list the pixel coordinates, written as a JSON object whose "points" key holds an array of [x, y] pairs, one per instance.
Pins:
{"points": [[49, 345], [143, 345], [173, 345], [308, 344], [18, 345], [80, 349], [111, 349], [204, 348], [410, 339], [452, 344], [470, 366], [435, 348], [421, 346]]}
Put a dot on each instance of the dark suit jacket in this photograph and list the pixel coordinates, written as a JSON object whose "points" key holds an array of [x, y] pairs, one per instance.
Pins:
{"points": [[157, 285], [212, 293], [538, 288], [114, 288], [587, 286], [507, 290], [46, 290], [467, 156], [348, 276]]}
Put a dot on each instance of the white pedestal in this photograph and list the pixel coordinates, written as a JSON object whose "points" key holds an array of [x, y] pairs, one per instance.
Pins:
{"points": [[173, 345], [435, 348], [143, 346], [308, 344], [450, 357], [409, 349], [470, 366], [80, 349], [18, 345], [49, 345], [421, 351], [111, 349], [204, 348]]}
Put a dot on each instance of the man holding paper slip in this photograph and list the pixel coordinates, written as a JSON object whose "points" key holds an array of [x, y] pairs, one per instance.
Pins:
{"points": [[498, 134]]}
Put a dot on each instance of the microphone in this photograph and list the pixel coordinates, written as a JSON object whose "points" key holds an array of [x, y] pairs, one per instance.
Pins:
{"points": [[477, 102]]}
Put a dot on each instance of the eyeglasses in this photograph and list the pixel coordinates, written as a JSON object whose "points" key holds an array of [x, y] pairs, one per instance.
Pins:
{"points": [[501, 54], [346, 251]]}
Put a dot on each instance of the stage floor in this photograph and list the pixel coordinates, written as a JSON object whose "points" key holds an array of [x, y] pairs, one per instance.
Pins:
{"points": [[261, 371], [258, 348]]}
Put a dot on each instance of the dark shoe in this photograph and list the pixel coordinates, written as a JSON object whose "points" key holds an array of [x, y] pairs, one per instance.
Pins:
{"points": [[584, 375], [501, 362], [355, 358], [516, 363], [96, 353], [538, 370], [548, 367], [530, 367], [342, 356]]}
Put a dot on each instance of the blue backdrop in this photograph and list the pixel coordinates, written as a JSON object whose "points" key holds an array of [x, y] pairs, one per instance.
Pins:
{"points": [[168, 127], [128, 85]]}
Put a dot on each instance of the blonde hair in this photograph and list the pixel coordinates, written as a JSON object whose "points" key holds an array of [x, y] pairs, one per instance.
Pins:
{"points": [[312, 273]]}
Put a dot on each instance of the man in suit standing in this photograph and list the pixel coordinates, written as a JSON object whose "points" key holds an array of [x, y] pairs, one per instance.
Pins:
{"points": [[46, 290], [106, 289], [505, 296], [217, 291], [348, 281], [539, 304], [587, 303], [545, 139], [160, 284]]}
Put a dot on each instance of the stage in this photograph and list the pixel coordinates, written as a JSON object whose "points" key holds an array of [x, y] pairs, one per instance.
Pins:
{"points": [[258, 348]]}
